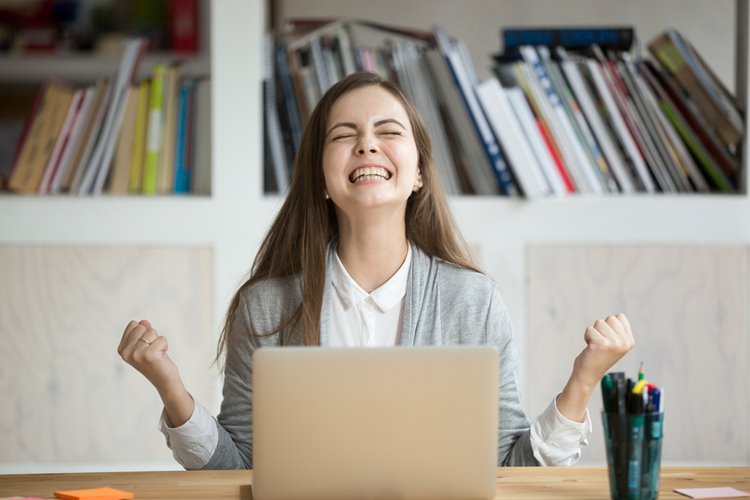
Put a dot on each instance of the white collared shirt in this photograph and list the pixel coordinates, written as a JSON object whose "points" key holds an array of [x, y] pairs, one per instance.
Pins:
{"points": [[359, 319]]}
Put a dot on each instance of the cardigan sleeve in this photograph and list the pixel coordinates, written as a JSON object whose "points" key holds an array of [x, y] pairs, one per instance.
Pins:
{"points": [[234, 449], [514, 444]]}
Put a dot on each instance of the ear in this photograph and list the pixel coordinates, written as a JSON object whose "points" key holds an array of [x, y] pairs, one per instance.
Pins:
{"points": [[418, 182]]}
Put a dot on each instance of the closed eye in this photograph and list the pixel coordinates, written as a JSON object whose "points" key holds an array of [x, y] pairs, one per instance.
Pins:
{"points": [[345, 136], [392, 132]]}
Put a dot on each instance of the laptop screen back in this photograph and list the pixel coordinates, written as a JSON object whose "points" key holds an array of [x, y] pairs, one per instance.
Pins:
{"points": [[414, 422]]}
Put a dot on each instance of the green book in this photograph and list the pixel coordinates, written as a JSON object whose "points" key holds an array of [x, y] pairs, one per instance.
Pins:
{"points": [[714, 173], [154, 137]]}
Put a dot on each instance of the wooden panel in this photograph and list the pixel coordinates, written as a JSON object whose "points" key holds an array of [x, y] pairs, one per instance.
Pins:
{"points": [[688, 308], [67, 395]]}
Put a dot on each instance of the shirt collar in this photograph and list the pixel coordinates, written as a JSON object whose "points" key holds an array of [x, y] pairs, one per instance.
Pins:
{"points": [[387, 296]]}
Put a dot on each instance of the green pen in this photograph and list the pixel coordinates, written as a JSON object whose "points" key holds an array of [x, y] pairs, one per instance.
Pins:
{"points": [[607, 387], [636, 420]]}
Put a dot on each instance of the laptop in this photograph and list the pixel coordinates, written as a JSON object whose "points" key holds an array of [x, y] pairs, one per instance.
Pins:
{"points": [[398, 422]]}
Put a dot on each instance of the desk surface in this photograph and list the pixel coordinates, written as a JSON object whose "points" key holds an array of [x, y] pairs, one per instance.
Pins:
{"points": [[578, 483]]}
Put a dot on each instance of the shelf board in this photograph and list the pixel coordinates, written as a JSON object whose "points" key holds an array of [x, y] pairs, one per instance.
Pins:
{"points": [[485, 220], [33, 69], [647, 219], [117, 220]]}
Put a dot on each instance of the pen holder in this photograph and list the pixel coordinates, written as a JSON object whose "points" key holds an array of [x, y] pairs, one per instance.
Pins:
{"points": [[633, 444]]}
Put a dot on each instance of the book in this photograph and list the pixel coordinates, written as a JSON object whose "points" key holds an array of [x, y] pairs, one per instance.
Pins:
{"points": [[42, 135], [62, 142], [675, 54], [578, 123], [630, 148], [559, 184], [673, 141], [183, 159], [200, 180], [155, 130], [183, 26], [272, 123], [505, 125], [728, 163], [469, 149], [713, 173], [165, 182], [460, 76], [120, 174], [76, 138], [89, 136], [585, 96], [16, 137], [97, 169], [654, 167], [416, 82], [571, 38], [135, 179], [666, 157], [534, 80]]}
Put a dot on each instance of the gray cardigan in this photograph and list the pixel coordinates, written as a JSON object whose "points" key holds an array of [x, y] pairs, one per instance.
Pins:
{"points": [[443, 305]]}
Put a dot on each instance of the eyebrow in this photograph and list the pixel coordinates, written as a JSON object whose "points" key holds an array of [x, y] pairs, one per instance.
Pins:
{"points": [[354, 126]]}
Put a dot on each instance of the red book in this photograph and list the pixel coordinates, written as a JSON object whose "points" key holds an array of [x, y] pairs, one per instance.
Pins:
{"points": [[183, 26], [569, 187]]}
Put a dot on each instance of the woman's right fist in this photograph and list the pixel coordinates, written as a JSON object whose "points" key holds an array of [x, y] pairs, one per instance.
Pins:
{"points": [[146, 351]]}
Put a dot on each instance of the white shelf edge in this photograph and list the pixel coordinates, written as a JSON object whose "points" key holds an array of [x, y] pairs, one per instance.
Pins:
{"points": [[690, 219], [123, 220]]}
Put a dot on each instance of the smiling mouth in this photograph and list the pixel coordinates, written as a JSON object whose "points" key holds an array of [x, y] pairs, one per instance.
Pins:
{"points": [[363, 174]]}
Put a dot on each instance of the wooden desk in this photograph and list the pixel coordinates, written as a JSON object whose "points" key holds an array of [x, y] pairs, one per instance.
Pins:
{"points": [[579, 483]]}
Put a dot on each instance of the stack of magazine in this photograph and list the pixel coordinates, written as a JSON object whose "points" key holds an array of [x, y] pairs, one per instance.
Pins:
{"points": [[567, 110]]}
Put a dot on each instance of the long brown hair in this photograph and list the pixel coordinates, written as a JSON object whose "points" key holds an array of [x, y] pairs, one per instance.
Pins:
{"points": [[298, 239]]}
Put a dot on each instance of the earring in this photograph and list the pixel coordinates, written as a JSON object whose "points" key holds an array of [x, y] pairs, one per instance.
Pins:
{"points": [[327, 196]]}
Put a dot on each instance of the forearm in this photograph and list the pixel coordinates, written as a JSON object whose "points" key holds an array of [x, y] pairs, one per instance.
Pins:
{"points": [[178, 405], [574, 398]]}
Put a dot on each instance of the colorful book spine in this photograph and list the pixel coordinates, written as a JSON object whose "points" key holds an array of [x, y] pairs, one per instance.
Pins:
{"points": [[181, 163], [135, 181], [154, 138]]}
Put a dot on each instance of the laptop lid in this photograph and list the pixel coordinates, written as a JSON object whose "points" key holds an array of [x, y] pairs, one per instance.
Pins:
{"points": [[400, 422]]}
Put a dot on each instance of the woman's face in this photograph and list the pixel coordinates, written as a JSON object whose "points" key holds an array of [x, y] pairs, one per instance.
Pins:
{"points": [[370, 158]]}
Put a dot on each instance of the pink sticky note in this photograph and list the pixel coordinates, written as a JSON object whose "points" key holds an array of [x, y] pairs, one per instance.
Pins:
{"points": [[725, 492]]}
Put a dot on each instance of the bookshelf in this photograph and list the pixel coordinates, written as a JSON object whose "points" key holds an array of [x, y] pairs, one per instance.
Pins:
{"points": [[232, 221]]}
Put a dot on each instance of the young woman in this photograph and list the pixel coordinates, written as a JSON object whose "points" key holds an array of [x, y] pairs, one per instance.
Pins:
{"points": [[365, 252]]}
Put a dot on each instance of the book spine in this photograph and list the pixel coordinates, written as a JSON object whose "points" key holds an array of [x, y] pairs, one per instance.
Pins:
{"points": [[183, 26], [502, 120], [586, 101], [135, 179], [539, 148], [181, 170], [491, 148], [61, 145], [154, 139], [619, 125], [618, 38], [580, 165], [76, 138]]}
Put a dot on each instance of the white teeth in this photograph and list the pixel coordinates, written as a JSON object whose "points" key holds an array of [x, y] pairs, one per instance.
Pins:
{"points": [[368, 173]]}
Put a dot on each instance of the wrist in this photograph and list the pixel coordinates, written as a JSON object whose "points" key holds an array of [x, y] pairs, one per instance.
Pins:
{"points": [[583, 386], [173, 393]]}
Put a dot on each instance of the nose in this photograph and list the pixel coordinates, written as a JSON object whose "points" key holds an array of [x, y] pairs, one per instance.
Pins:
{"points": [[366, 145]]}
